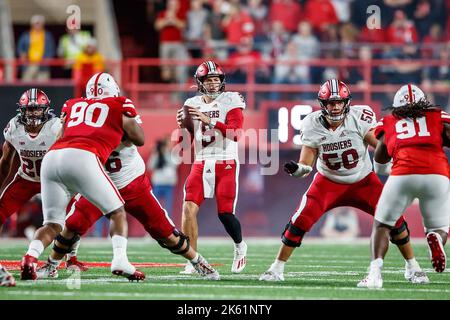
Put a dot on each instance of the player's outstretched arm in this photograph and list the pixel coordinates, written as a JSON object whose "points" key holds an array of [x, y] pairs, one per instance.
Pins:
{"points": [[370, 139], [133, 130], [381, 159], [303, 167], [6, 160]]}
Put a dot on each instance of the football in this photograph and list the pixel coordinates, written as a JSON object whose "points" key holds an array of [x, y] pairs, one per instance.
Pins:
{"points": [[188, 122]]}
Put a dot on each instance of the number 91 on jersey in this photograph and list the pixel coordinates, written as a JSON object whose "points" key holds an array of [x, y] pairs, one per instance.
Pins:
{"points": [[288, 122]]}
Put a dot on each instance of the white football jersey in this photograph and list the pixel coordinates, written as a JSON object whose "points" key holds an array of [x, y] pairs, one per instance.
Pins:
{"points": [[210, 144], [124, 165], [31, 150], [343, 156]]}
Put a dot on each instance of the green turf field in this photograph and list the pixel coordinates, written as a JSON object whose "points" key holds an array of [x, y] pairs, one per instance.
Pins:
{"points": [[316, 271]]}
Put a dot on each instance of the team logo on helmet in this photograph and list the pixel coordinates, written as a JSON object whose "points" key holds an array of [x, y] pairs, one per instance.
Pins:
{"points": [[102, 85], [34, 108], [334, 90], [209, 69], [408, 94]]}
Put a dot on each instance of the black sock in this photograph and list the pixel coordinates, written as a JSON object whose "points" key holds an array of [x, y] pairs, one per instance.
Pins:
{"points": [[232, 226]]}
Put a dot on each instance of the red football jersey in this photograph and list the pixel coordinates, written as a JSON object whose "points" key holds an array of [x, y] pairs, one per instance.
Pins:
{"points": [[94, 125], [416, 144]]}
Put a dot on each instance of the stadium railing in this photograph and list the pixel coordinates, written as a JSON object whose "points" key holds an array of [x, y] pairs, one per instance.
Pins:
{"points": [[137, 78]]}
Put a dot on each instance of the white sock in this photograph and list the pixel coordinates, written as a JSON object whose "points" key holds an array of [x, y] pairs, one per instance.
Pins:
{"points": [[277, 266], [74, 251], [35, 248], [377, 263], [119, 244], [196, 258], [412, 263], [239, 245]]}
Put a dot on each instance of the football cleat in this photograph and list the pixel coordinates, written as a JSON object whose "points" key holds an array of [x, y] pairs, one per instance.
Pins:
{"points": [[125, 269], [74, 264], [136, 276], [28, 268], [436, 250], [188, 269], [416, 275], [47, 271], [240, 258], [419, 277], [270, 275], [205, 270], [6, 278], [372, 281]]}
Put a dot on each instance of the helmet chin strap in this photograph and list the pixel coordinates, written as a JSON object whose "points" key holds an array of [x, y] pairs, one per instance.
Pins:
{"points": [[212, 95], [335, 121]]}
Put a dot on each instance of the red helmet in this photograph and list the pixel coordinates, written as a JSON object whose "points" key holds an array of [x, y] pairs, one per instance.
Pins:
{"points": [[34, 99], [334, 90], [209, 69]]}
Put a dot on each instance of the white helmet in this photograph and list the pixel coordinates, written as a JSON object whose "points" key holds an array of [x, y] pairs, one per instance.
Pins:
{"points": [[407, 94], [102, 85]]}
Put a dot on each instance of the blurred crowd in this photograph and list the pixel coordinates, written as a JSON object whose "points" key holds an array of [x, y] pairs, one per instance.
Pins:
{"points": [[77, 47], [243, 31], [272, 35]]}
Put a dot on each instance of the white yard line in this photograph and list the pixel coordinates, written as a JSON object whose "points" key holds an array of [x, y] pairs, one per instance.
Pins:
{"points": [[306, 276]]}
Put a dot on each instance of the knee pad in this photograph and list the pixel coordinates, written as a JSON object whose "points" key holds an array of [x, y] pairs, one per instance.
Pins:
{"points": [[66, 242], [176, 249], [292, 236], [397, 231]]}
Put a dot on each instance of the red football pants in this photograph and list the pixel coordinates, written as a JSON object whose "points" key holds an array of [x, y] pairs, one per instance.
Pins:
{"points": [[324, 195], [226, 185], [15, 195], [139, 202]]}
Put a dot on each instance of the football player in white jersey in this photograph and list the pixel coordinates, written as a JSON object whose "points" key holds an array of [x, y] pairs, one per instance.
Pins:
{"points": [[28, 136], [126, 169], [218, 118], [338, 136]]}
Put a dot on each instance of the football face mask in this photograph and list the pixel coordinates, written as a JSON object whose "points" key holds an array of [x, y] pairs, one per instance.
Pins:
{"points": [[34, 108]]}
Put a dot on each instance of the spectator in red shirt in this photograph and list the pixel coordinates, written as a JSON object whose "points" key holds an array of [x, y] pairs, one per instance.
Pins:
{"points": [[401, 30], [170, 24], [372, 35], [237, 24], [320, 13], [287, 11]]}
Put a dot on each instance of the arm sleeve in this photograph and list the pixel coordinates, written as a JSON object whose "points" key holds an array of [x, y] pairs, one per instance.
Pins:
{"points": [[233, 123], [445, 117], [128, 108]]}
